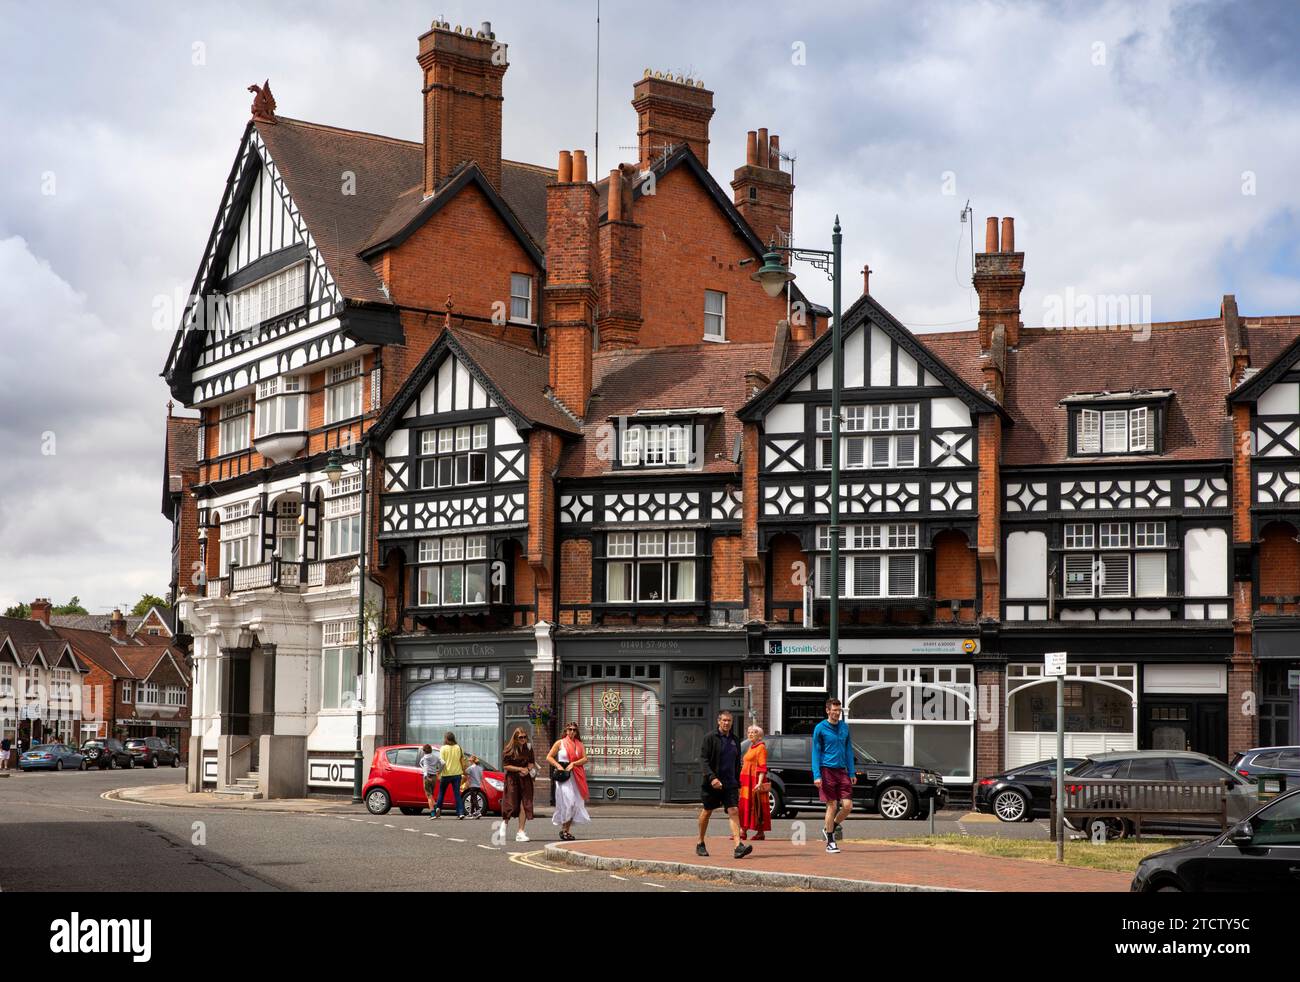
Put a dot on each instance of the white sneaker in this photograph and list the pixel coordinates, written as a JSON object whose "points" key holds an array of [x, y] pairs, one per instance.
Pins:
{"points": [[520, 837]]}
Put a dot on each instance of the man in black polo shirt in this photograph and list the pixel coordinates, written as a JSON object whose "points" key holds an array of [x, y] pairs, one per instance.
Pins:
{"points": [[720, 755]]}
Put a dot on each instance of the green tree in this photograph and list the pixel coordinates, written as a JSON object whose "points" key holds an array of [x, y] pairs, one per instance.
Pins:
{"points": [[73, 606], [146, 601], [19, 610]]}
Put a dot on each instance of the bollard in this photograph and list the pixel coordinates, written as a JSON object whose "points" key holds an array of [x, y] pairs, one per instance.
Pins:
{"points": [[932, 816]]}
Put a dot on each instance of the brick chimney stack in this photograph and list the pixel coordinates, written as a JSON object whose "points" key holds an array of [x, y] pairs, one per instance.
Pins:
{"points": [[570, 293], [764, 193], [41, 610], [999, 278], [117, 625], [463, 69], [619, 325], [671, 111]]}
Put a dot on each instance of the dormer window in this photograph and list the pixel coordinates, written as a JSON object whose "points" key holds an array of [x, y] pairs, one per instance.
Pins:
{"points": [[656, 445], [269, 298], [1115, 423]]}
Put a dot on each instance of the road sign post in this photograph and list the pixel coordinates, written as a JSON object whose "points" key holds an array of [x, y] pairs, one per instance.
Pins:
{"points": [[1054, 665]]}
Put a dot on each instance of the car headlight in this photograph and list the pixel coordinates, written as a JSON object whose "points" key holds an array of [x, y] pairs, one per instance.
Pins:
{"points": [[494, 784], [930, 778]]}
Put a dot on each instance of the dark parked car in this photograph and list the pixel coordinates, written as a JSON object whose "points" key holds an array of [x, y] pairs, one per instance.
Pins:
{"points": [[51, 757], [893, 790], [1123, 766], [1022, 793], [1270, 760], [153, 751], [1261, 854], [106, 754]]}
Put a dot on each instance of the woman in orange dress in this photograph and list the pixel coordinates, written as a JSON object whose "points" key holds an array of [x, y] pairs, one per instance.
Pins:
{"points": [[755, 808]]}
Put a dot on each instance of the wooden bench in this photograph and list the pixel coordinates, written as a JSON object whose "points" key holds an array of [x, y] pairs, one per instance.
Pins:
{"points": [[1135, 801]]}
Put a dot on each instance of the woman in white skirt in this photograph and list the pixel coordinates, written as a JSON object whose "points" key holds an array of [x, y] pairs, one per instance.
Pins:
{"points": [[569, 756]]}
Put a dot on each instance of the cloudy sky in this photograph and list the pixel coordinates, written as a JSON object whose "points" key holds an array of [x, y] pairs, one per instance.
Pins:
{"points": [[1147, 152]]}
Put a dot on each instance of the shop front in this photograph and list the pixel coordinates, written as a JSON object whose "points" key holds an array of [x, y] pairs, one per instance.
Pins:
{"points": [[1100, 710], [477, 688], [909, 701], [644, 705], [1277, 648]]}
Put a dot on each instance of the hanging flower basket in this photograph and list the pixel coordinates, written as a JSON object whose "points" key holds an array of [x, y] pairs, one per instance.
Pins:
{"points": [[539, 714]]}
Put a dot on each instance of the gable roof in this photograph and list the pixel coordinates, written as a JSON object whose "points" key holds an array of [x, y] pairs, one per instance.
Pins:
{"points": [[413, 210], [684, 157], [516, 377], [703, 376], [1274, 346], [865, 312]]}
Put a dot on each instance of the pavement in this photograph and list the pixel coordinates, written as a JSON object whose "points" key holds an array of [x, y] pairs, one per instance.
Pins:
{"points": [[860, 866]]}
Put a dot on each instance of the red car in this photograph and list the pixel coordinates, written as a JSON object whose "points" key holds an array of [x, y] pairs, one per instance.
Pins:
{"points": [[395, 778]]}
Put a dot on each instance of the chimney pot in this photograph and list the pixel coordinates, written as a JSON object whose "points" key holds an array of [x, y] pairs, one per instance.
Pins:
{"points": [[774, 154], [866, 281], [751, 148], [564, 173], [764, 148], [991, 235], [580, 166], [41, 610], [1008, 235], [615, 206], [117, 625]]}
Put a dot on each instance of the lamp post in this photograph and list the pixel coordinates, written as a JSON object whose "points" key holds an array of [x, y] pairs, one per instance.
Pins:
{"points": [[334, 473], [774, 276]]}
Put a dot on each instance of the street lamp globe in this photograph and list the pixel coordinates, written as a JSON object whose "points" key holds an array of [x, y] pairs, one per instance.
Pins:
{"points": [[333, 468], [773, 275]]}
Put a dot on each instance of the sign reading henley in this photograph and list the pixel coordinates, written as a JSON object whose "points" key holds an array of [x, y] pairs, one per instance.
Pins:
{"points": [[620, 728]]}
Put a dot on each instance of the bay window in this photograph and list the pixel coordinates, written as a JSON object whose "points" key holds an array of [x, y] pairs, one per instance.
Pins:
{"points": [[232, 434], [454, 571], [650, 567], [343, 518], [454, 456], [286, 530], [872, 437], [280, 403], [876, 561], [343, 392], [237, 536]]}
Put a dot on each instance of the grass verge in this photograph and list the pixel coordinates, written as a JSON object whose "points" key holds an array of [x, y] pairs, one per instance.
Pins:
{"points": [[1117, 857]]}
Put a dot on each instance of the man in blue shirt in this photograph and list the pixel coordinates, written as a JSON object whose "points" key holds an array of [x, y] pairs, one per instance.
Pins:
{"points": [[834, 770]]}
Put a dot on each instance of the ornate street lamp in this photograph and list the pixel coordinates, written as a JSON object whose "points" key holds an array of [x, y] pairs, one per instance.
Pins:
{"points": [[774, 276]]}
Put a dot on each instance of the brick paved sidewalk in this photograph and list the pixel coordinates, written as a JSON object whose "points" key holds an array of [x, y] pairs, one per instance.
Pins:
{"points": [[860, 866]]}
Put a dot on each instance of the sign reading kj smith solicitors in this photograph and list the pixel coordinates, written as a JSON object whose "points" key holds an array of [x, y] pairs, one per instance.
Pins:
{"points": [[620, 728], [946, 647]]}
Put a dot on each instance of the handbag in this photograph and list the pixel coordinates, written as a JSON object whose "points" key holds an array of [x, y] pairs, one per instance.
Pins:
{"points": [[559, 776]]}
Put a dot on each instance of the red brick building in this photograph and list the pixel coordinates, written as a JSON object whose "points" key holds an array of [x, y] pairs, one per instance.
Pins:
{"points": [[597, 456]]}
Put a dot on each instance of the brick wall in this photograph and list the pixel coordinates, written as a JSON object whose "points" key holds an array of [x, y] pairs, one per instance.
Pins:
{"points": [[728, 581], [787, 557], [1243, 705], [689, 246], [988, 738], [990, 511], [462, 103], [760, 681], [543, 455], [575, 571], [1279, 561]]}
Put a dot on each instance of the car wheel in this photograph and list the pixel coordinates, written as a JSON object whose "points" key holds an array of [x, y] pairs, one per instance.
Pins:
{"points": [[896, 803], [83, 766], [1168, 888], [407, 810], [130, 763], [153, 761], [112, 763], [1105, 826], [776, 802], [378, 802], [1010, 806], [175, 759], [58, 765]]}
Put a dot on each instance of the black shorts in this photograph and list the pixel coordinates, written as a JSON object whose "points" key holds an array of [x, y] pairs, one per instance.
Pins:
{"points": [[724, 797]]}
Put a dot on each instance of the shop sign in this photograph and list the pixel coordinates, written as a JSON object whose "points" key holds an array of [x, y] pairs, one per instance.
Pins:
{"points": [[619, 723], [821, 647]]}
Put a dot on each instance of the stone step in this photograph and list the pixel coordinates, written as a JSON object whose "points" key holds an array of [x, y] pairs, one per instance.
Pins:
{"points": [[237, 794]]}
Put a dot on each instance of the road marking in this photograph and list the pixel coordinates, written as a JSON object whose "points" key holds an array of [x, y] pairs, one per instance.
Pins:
{"points": [[450, 839], [410, 830], [657, 886], [362, 820], [621, 879], [387, 826], [493, 848], [529, 859], [433, 835]]}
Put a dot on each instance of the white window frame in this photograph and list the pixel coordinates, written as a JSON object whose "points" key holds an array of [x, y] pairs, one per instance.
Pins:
{"points": [[339, 653], [1088, 432], [268, 298], [715, 318], [669, 552], [343, 384], [454, 558], [526, 281], [274, 397], [891, 545], [342, 519], [873, 436], [789, 679], [233, 427]]}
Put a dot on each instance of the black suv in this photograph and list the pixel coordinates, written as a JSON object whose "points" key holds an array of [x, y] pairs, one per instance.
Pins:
{"points": [[152, 751], [108, 753], [892, 790]]}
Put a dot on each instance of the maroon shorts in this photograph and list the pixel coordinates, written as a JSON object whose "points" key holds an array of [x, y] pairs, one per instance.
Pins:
{"points": [[836, 785]]}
